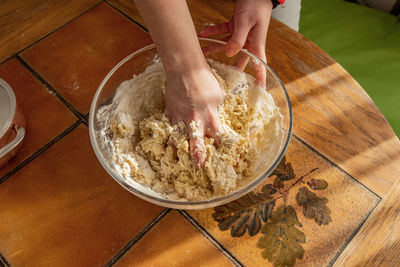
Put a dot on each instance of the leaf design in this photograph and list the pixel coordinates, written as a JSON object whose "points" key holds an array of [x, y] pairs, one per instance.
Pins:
{"points": [[317, 184], [284, 171], [246, 212], [313, 206], [278, 183], [282, 239]]}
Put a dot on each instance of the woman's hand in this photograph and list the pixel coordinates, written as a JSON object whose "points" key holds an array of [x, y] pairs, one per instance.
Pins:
{"points": [[248, 29], [193, 96], [192, 92]]}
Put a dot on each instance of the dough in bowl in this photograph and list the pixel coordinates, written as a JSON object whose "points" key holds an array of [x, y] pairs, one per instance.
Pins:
{"points": [[148, 149]]}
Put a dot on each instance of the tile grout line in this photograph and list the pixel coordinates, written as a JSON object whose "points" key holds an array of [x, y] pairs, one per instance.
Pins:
{"points": [[216, 243], [51, 89], [127, 16], [346, 243], [343, 247], [136, 238], [50, 33], [40, 150], [334, 165], [86, 116], [83, 118], [3, 261], [211, 238], [294, 135]]}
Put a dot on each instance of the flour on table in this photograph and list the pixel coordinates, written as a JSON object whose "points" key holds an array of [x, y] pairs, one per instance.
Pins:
{"points": [[148, 149]]}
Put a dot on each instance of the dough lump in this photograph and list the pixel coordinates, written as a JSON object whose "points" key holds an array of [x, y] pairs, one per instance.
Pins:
{"points": [[151, 151]]}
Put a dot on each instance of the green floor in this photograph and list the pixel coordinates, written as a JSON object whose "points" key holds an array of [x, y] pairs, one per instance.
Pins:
{"points": [[366, 42]]}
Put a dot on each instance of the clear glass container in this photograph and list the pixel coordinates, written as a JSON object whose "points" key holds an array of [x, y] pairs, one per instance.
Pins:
{"points": [[136, 63]]}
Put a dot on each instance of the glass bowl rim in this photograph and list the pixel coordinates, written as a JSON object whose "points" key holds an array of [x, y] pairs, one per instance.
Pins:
{"points": [[176, 203]]}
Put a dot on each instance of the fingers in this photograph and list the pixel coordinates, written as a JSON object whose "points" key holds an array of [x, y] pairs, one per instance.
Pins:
{"points": [[197, 150], [215, 29], [260, 72], [171, 110], [197, 129], [256, 45], [213, 49], [241, 61], [256, 40], [215, 131], [236, 41], [172, 115], [196, 142], [174, 149], [239, 36]]}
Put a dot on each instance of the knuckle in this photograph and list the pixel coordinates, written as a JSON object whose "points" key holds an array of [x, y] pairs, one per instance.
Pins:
{"points": [[236, 42], [251, 40], [210, 113], [252, 20], [245, 20]]}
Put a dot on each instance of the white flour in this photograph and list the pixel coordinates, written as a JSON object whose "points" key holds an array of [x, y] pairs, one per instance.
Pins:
{"points": [[148, 149]]}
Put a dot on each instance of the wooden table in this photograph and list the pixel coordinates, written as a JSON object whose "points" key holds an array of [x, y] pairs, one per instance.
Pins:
{"points": [[58, 206]]}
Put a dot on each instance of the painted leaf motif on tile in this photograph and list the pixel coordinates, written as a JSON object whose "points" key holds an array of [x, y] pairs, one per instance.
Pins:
{"points": [[284, 171], [314, 207], [282, 240], [247, 212], [317, 184], [278, 183]]}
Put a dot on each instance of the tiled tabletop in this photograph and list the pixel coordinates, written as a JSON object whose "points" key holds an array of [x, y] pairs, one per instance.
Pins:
{"points": [[58, 207]]}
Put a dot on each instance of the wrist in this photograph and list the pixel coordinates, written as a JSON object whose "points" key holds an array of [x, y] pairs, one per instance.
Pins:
{"points": [[183, 63], [188, 81]]}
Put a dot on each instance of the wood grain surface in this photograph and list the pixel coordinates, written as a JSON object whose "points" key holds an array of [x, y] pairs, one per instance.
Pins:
{"points": [[203, 12], [332, 113], [349, 205], [23, 22], [378, 241]]}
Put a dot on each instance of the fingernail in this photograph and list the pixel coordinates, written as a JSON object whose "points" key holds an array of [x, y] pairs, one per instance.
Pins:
{"points": [[230, 52]]}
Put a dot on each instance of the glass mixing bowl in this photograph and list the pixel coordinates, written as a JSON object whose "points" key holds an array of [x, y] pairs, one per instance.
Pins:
{"points": [[136, 63]]}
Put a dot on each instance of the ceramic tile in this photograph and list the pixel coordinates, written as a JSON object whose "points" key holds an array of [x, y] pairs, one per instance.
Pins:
{"points": [[30, 20], [290, 236], [62, 209], [174, 242], [45, 115], [76, 58], [127, 7]]}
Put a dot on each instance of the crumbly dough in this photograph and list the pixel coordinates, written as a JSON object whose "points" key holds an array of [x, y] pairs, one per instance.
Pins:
{"points": [[147, 148]]}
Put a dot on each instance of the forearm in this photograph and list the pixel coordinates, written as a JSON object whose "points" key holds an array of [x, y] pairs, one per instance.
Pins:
{"points": [[172, 30]]}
